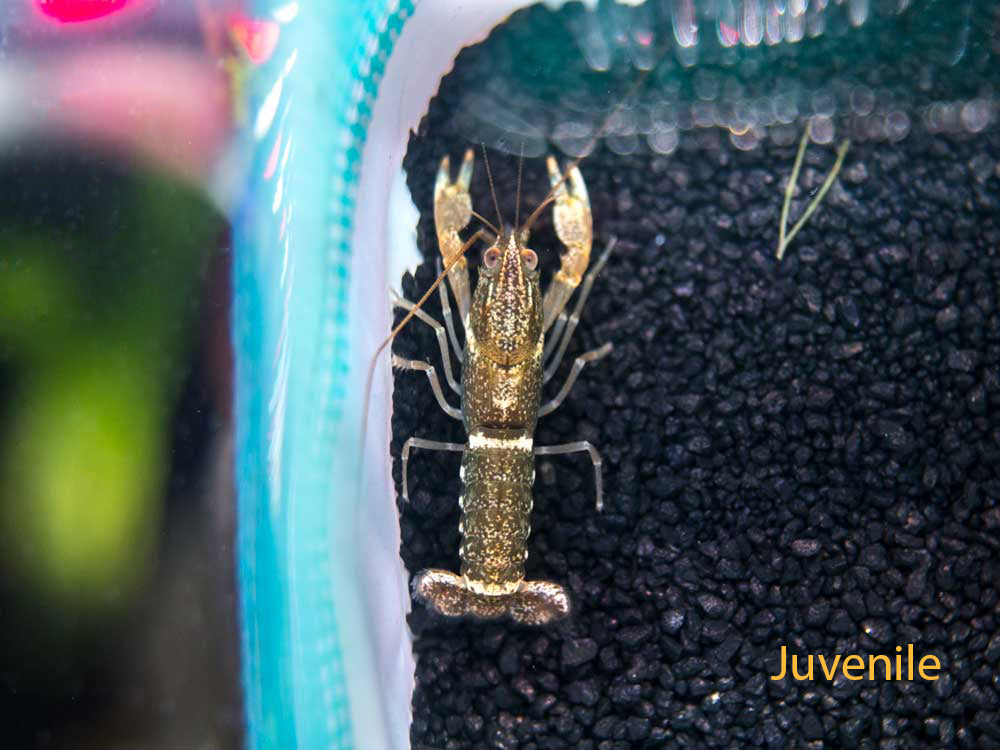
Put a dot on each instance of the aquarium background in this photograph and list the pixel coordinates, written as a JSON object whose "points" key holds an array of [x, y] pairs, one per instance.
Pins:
{"points": [[798, 453]]}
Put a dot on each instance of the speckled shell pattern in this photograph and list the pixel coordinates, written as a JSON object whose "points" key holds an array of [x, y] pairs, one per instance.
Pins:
{"points": [[501, 398], [500, 408], [496, 509]]}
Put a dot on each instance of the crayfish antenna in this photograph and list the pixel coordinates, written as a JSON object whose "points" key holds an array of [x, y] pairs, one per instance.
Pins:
{"points": [[493, 192]]}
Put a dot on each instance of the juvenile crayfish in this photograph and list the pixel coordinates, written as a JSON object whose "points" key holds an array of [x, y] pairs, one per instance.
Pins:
{"points": [[507, 359], [505, 363]]}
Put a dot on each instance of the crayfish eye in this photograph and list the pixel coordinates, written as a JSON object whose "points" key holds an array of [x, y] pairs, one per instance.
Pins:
{"points": [[530, 258], [491, 257]]}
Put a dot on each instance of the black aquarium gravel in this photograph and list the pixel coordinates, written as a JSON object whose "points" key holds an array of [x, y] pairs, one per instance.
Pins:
{"points": [[802, 454]]}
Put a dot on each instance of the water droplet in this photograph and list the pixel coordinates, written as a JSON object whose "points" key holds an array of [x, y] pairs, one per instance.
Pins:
{"points": [[663, 140], [685, 23], [897, 125], [976, 115], [623, 145], [857, 11], [772, 24], [706, 85], [752, 23], [824, 103], [795, 27], [746, 141], [822, 129], [703, 114], [728, 29], [572, 138], [786, 108], [862, 100], [981, 167]]}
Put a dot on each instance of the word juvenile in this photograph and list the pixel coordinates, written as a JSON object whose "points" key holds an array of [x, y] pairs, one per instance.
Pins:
{"points": [[854, 667]]}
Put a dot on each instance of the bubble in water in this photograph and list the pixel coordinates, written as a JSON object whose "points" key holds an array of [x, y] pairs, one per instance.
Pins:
{"points": [[824, 103], [795, 27], [862, 100], [685, 23], [784, 135], [763, 111], [663, 115], [897, 125], [573, 138], [976, 115], [704, 114], [664, 140], [687, 56], [786, 109], [745, 141], [706, 85], [727, 24], [772, 25], [981, 166], [623, 145], [752, 23], [932, 118], [857, 11], [815, 21], [875, 128], [822, 129]]}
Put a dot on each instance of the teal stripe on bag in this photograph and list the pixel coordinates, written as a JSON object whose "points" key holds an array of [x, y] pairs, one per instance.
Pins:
{"points": [[310, 104]]}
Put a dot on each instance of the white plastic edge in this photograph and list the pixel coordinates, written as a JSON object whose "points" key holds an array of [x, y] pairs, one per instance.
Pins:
{"points": [[424, 52]]}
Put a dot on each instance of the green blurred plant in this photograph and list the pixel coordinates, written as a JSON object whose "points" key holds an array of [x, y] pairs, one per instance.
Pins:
{"points": [[95, 327]]}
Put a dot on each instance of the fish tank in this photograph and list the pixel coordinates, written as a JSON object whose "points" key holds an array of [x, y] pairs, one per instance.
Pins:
{"points": [[502, 375]]}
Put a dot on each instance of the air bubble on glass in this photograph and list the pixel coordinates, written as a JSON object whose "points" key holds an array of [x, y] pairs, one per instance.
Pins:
{"points": [[822, 129], [664, 116], [703, 114], [687, 56], [763, 111], [572, 138], [824, 103], [745, 141], [772, 25], [685, 23], [795, 28], [976, 115], [857, 11], [862, 100], [784, 135], [815, 22], [643, 38], [897, 125], [594, 46], [663, 140], [981, 166], [786, 108], [752, 23], [623, 145], [706, 85], [727, 24]]}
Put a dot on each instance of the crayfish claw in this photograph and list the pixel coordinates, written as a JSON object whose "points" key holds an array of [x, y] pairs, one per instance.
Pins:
{"points": [[452, 202]]}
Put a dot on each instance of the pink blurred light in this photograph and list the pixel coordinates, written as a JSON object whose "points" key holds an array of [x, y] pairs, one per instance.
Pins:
{"points": [[164, 104], [78, 11], [257, 38]]}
